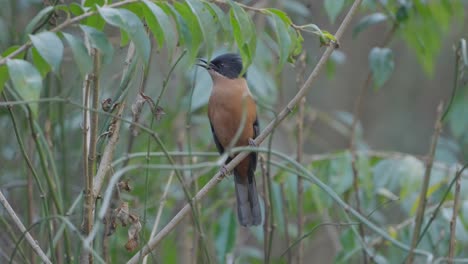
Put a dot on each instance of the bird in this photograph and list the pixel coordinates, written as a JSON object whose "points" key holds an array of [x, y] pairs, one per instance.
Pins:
{"points": [[231, 107]]}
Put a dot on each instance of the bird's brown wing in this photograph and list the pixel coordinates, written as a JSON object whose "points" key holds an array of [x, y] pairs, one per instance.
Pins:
{"points": [[253, 155], [216, 140]]}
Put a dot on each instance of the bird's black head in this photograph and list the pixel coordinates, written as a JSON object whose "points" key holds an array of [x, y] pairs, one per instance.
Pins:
{"points": [[228, 65]]}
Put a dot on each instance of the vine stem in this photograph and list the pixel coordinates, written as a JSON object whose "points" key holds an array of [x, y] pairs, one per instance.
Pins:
{"points": [[267, 131]]}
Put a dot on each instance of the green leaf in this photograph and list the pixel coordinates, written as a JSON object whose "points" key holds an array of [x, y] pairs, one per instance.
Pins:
{"points": [[280, 13], [76, 9], [93, 3], [244, 34], [124, 38], [368, 21], [160, 25], [225, 235], [206, 23], [333, 8], [50, 47], [194, 28], [381, 64], [99, 41], [4, 69], [38, 19], [26, 80], [80, 54], [40, 63], [129, 22], [220, 18], [283, 39]]}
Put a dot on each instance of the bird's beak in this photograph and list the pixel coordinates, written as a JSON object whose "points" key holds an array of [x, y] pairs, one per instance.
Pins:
{"points": [[203, 63]]}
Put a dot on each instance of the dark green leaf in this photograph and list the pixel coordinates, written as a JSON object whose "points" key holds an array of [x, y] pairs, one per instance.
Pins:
{"points": [[160, 25], [50, 47], [283, 39], [206, 23], [99, 41], [381, 64], [333, 8], [26, 80], [40, 63], [3, 76], [80, 54], [129, 22], [244, 34], [368, 21], [38, 19]]}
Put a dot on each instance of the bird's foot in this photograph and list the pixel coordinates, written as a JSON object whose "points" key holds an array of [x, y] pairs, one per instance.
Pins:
{"points": [[224, 171], [252, 142]]}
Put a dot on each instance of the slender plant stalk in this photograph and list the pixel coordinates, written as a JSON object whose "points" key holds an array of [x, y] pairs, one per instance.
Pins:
{"points": [[266, 223], [425, 184], [281, 116], [32, 242], [286, 220], [300, 141], [453, 221]]}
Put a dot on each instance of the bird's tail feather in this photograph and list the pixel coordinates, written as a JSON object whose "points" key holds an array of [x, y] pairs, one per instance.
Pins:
{"points": [[248, 206]]}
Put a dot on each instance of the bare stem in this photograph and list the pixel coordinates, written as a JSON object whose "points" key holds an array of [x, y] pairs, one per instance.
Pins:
{"points": [[425, 185], [453, 221], [300, 141]]}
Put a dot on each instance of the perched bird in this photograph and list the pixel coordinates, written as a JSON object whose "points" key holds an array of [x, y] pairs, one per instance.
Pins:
{"points": [[232, 108]]}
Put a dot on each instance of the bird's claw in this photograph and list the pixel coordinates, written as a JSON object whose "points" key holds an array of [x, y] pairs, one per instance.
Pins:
{"points": [[252, 142], [224, 171]]}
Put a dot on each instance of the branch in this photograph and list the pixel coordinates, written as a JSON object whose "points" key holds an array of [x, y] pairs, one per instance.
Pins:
{"points": [[453, 222], [241, 156], [423, 194], [22, 228]]}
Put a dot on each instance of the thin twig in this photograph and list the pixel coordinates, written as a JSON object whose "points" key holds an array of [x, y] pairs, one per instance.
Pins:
{"points": [[300, 142], [267, 207], [32, 242], [241, 156], [423, 194], [286, 220], [453, 221]]}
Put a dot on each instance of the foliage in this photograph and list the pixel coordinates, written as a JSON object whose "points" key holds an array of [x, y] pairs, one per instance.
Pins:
{"points": [[66, 53]]}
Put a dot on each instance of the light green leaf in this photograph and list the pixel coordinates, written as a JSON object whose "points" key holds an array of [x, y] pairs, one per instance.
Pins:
{"points": [[194, 29], [333, 8], [26, 80], [129, 22], [80, 54], [244, 34], [99, 41], [381, 64], [38, 19], [280, 13], [283, 39], [368, 21], [3, 68], [206, 23], [50, 47], [220, 18], [160, 25], [76, 9]]}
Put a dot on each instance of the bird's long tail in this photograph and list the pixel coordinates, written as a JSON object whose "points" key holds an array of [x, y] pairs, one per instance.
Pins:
{"points": [[248, 206]]}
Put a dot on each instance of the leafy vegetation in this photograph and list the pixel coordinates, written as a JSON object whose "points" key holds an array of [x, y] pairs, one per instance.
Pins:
{"points": [[106, 145]]}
